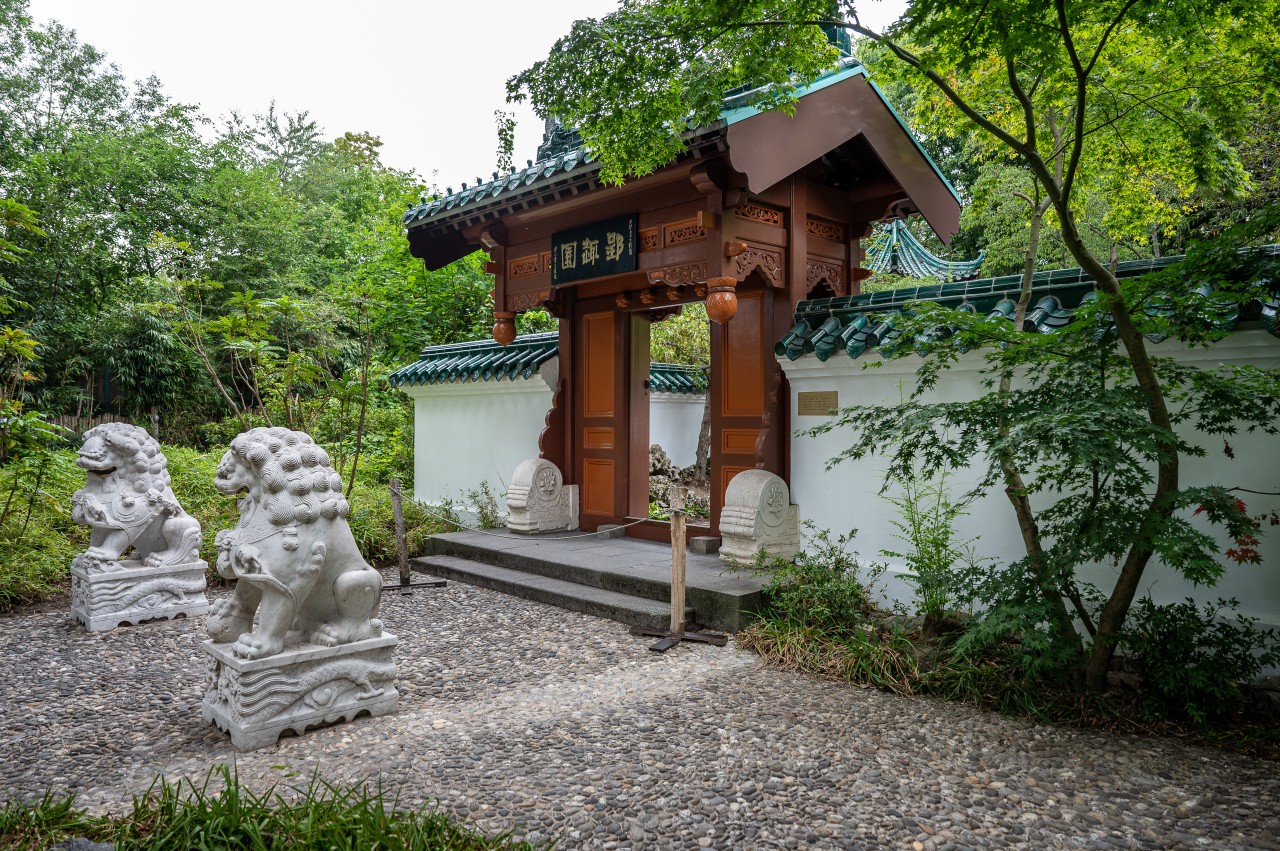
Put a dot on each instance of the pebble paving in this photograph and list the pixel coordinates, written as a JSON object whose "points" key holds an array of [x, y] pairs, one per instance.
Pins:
{"points": [[518, 716]]}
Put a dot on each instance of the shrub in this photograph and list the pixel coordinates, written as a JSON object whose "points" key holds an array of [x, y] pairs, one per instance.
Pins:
{"points": [[38, 539], [820, 588], [192, 473], [1193, 661], [926, 524], [372, 522], [485, 504]]}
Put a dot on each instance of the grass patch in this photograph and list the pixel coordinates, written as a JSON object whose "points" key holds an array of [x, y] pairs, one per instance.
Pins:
{"points": [[222, 814]]}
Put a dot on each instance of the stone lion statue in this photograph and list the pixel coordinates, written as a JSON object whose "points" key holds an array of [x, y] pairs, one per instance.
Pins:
{"points": [[127, 502], [293, 555]]}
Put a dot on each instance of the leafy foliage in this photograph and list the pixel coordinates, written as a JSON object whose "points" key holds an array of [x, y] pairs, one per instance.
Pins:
{"points": [[821, 589], [1192, 661], [926, 524]]}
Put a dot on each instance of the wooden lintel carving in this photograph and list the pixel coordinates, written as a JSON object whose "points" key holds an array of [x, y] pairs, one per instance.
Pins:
{"points": [[648, 296], [521, 302], [679, 233], [679, 276], [825, 230], [700, 290], [760, 213], [523, 267], [768, 262], [673, 294]]}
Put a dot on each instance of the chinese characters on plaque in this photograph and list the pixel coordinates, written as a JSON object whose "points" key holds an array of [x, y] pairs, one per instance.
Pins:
{"points": [[594, 251]]}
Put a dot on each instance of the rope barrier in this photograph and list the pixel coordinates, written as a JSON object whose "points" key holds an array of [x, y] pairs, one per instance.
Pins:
{"points": [[462, 525]]}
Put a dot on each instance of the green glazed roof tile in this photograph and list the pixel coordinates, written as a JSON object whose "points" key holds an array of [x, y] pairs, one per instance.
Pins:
{"points": [[677, 378], [486, 360], [858, 323]]}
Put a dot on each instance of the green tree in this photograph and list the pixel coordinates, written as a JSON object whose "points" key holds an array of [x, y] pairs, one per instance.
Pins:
{"points": [[1083, 95]]}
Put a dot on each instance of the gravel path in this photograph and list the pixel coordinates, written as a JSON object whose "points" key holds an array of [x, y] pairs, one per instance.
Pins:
{"points": [[517, 715]]}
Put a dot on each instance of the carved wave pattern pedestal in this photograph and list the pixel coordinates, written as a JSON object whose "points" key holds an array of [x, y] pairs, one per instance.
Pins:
{"points": [[104, 599], [256, 700]]}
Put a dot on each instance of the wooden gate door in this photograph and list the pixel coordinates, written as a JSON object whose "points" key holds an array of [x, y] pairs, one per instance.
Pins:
{"points": [[748, 405], [610, 372]]}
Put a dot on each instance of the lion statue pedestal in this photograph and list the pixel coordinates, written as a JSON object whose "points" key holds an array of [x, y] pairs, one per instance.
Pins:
{"points": [[128, 504], [758, 515], [318, 654]]}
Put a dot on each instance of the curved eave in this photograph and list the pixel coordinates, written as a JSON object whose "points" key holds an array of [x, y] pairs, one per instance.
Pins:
{"points": [[769, 146]]}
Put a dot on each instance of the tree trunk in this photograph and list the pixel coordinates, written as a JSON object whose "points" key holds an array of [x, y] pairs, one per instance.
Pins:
{"points": [[1015, 487], [1160, 508], [703, 451]]}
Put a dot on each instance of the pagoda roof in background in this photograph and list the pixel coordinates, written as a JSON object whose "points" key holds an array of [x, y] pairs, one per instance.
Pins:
{"points": [[896, 250]]}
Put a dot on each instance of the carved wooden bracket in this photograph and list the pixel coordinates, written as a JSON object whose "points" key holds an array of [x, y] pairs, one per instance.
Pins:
{"points": [[768, 262], [494, 236], [817, 271], [622, 300], [649, 296]]}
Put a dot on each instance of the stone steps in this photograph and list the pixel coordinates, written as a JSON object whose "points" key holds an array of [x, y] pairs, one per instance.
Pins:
{"points": [[599, 602], [626, 566]]}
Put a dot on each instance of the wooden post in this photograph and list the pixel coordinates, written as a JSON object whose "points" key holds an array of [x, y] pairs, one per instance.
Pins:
{"points": [[402, 546], [676, 493]]}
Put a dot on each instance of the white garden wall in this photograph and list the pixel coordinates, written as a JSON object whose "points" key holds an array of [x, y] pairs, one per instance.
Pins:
{"points": [[471, 432], [674, 420], [847, 496]]}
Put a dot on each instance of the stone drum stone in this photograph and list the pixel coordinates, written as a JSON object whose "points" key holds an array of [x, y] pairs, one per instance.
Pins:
{"points": [[539, 501], [318, 653], [758, 515], [129, 506]]}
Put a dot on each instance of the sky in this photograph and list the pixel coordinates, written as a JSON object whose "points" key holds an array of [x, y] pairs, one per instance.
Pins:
{"points": [[424, 76]]}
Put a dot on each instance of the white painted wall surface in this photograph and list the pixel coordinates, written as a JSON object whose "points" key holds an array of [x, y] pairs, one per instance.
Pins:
{"points": [[476, 431], [674, 420], [847, 497]]}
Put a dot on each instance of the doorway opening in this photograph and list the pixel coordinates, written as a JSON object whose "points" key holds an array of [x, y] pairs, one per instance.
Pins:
{"points": [[680, 411]]}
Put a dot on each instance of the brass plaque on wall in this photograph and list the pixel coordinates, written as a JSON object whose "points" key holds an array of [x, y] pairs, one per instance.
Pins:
{"points": [[818, 403]]}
